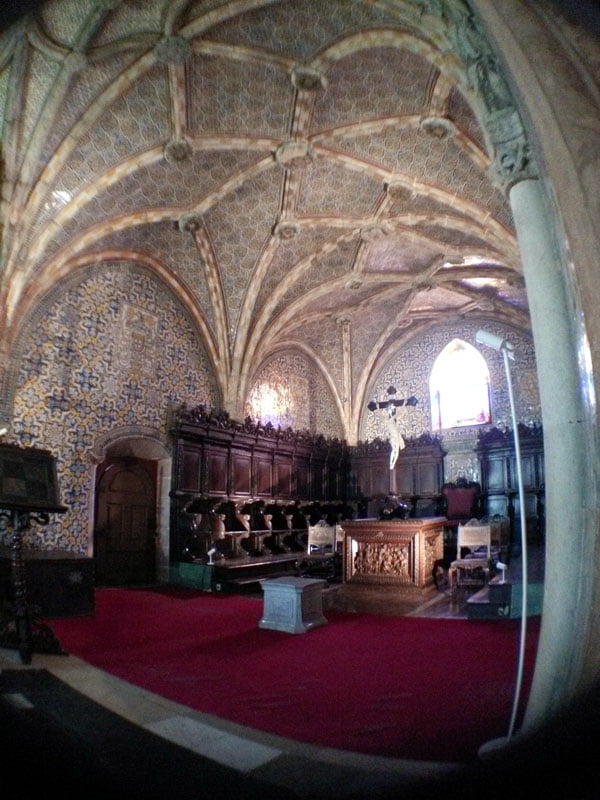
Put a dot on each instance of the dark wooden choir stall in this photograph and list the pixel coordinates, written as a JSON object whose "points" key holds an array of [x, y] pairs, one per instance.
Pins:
{"points": [[243, 496]]}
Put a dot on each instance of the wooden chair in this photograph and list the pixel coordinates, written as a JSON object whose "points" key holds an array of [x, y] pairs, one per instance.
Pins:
{"points": [[260, 528], [203, 528], [322, 558], [321, 538], [298, 538], [472, 565], [232, 527], [500, 527], [279, 527], [460, 502]]}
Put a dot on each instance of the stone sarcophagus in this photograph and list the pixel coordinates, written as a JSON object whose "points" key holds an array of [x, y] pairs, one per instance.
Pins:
{"points": [[399, 553]]}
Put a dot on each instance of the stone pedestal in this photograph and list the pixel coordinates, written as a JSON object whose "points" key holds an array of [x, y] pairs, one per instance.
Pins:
{"points": [[292, 605]]}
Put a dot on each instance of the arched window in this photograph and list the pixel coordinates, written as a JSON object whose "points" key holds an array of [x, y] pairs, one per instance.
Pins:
{"points": [[459, 387]]}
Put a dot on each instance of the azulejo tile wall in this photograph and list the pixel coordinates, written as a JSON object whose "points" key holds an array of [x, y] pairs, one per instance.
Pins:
{"points": [[110, 349]]}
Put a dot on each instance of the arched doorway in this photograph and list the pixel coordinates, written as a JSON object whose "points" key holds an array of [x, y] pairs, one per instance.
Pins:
{"points": [[131, 507], [125, 529]]}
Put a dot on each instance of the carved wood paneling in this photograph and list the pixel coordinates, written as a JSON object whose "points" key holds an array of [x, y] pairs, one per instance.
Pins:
{"points": [[218, 456], [395, 552], [496, 451], [419, 470], [264, 476], [283, 471], [190, 470], [242, 473], [216, 472]]}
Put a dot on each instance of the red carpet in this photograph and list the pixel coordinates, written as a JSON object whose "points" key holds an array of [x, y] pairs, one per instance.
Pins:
{"points": [[403, 687]]}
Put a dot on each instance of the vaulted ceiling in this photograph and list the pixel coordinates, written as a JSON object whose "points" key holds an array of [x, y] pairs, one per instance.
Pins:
{"points": [[302, 174]]}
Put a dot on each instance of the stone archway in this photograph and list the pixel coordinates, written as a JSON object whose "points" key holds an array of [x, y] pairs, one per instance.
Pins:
{"points": [[137, 452]]}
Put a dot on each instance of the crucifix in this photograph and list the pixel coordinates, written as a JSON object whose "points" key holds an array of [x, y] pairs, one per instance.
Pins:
{"points": [[394, 420]]}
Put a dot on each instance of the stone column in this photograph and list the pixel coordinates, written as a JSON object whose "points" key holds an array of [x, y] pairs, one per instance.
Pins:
{"points": [[568, 659], [568, 591]]}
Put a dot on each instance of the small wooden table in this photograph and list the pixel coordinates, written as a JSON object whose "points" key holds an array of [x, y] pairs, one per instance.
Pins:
{"points": [[292, 605]]}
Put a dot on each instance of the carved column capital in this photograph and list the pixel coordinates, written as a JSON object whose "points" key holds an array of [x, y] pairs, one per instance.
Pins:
{"points": [[343, 320], [513, 160], [286, 229], [510, 150], [374, 232], [437, 127]]}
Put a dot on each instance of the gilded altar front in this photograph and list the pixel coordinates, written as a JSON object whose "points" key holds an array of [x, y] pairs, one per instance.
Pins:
{"points": [[399, 552]]}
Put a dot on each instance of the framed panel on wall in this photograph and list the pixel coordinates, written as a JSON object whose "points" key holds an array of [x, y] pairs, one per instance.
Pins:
{"points": [[428, 479], [361, 479], [404, 479], [496, 475], [372, 477], [216, 472], [380, 479], [264, 476], [241, 473], [530, 469], [316, 482], [191, 473], [337, 477], [283, 472], [302, 478]]}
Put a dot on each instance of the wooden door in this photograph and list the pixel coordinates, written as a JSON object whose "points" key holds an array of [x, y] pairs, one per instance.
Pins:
{"points": [[124, 541]]}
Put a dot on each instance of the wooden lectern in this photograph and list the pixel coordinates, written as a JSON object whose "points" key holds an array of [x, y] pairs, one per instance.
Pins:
{"points": [[28, 493]]}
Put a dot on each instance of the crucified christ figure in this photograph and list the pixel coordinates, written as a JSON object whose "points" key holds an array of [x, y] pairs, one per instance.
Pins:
{"points": [[396, 438]]}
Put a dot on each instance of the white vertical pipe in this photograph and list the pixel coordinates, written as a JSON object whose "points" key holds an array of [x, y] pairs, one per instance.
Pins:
{"points": [[523, 633]]}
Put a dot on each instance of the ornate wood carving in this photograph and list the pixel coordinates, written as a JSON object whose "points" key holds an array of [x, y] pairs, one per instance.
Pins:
{"points": [[216, 456], [400, 553]]}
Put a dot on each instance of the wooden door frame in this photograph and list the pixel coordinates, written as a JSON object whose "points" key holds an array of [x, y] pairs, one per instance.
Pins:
{"points": [[146, 472], [148, 445]]}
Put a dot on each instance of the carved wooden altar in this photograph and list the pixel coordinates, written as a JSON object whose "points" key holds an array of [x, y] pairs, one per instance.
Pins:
{"points": [[398, 553]]}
